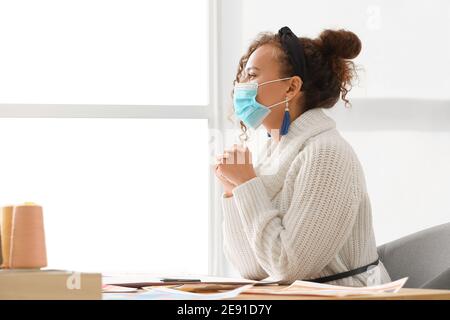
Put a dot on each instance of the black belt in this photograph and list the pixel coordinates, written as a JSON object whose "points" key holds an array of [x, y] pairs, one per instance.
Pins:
{"points": [[344, 274]]}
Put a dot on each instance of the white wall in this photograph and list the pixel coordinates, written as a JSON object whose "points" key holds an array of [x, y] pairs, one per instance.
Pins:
{"points": [[404, 147], [406, 43]]}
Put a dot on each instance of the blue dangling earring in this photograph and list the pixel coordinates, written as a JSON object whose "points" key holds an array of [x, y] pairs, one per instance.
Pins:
{"points": [[286, 120]]}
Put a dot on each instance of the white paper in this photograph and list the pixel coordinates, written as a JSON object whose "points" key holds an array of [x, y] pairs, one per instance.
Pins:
{"points": [[173, 294], [319, 289]]}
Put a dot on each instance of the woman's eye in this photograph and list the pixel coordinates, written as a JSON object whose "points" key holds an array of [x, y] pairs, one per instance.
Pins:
{"points": [[251, 75]]}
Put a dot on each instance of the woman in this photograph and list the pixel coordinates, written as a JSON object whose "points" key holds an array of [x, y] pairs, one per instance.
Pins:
{"points": [[310, 217]]}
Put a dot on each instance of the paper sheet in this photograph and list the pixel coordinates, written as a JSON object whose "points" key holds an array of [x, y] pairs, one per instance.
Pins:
{"points": [[164, 293], [318, 289]]}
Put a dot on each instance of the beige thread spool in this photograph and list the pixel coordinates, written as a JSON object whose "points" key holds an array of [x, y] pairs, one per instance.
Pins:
{"points": [[28, 238], [7, 214]]}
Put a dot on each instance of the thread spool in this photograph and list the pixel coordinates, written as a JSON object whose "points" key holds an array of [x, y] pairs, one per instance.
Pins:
{"points": [[7, 214], [28, 238], [1, 247]]}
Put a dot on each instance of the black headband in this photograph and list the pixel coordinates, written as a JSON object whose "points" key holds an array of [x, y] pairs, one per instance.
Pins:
{"points": [[294, 49]]}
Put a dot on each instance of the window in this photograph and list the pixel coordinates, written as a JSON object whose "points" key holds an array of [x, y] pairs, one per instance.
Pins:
{"points": [[118, 52], [112, 134]]}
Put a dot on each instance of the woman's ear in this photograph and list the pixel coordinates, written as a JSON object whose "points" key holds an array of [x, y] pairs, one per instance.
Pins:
{"points": [[295, 85]]}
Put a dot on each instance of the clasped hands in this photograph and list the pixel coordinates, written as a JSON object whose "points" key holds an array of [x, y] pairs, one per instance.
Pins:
{"points": [[234, 167]]}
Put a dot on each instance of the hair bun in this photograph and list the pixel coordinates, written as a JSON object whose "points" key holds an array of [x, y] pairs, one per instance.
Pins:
{"points": [[340, 43]]}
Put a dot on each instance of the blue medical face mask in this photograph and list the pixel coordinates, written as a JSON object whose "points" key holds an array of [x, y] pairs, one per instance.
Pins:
{"points": [[246, 108]]}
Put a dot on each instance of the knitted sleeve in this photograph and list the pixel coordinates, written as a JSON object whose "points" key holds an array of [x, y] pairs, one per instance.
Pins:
{"points": [[300, 242], [235, 243]]}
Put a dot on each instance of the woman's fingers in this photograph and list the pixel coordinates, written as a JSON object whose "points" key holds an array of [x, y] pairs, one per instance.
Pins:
{"points": [[220, 159], [220, 175], [218, 172], [238, 155]]}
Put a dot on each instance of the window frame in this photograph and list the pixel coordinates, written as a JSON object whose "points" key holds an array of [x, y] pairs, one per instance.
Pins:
{"points": [[210, 111]]}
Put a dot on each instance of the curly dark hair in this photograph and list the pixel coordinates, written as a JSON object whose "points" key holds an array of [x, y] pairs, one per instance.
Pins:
{"points": [[330, 71]]}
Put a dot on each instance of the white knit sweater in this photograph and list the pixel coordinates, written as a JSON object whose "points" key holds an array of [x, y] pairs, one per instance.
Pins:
{"points": [[307, 214]]}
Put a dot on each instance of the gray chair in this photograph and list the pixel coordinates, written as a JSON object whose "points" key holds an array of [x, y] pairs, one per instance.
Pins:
{"points": [[423, 257]]}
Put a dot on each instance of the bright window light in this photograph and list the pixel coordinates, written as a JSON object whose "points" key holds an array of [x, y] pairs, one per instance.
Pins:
{"points": [[121, 52], [119, 195]]}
